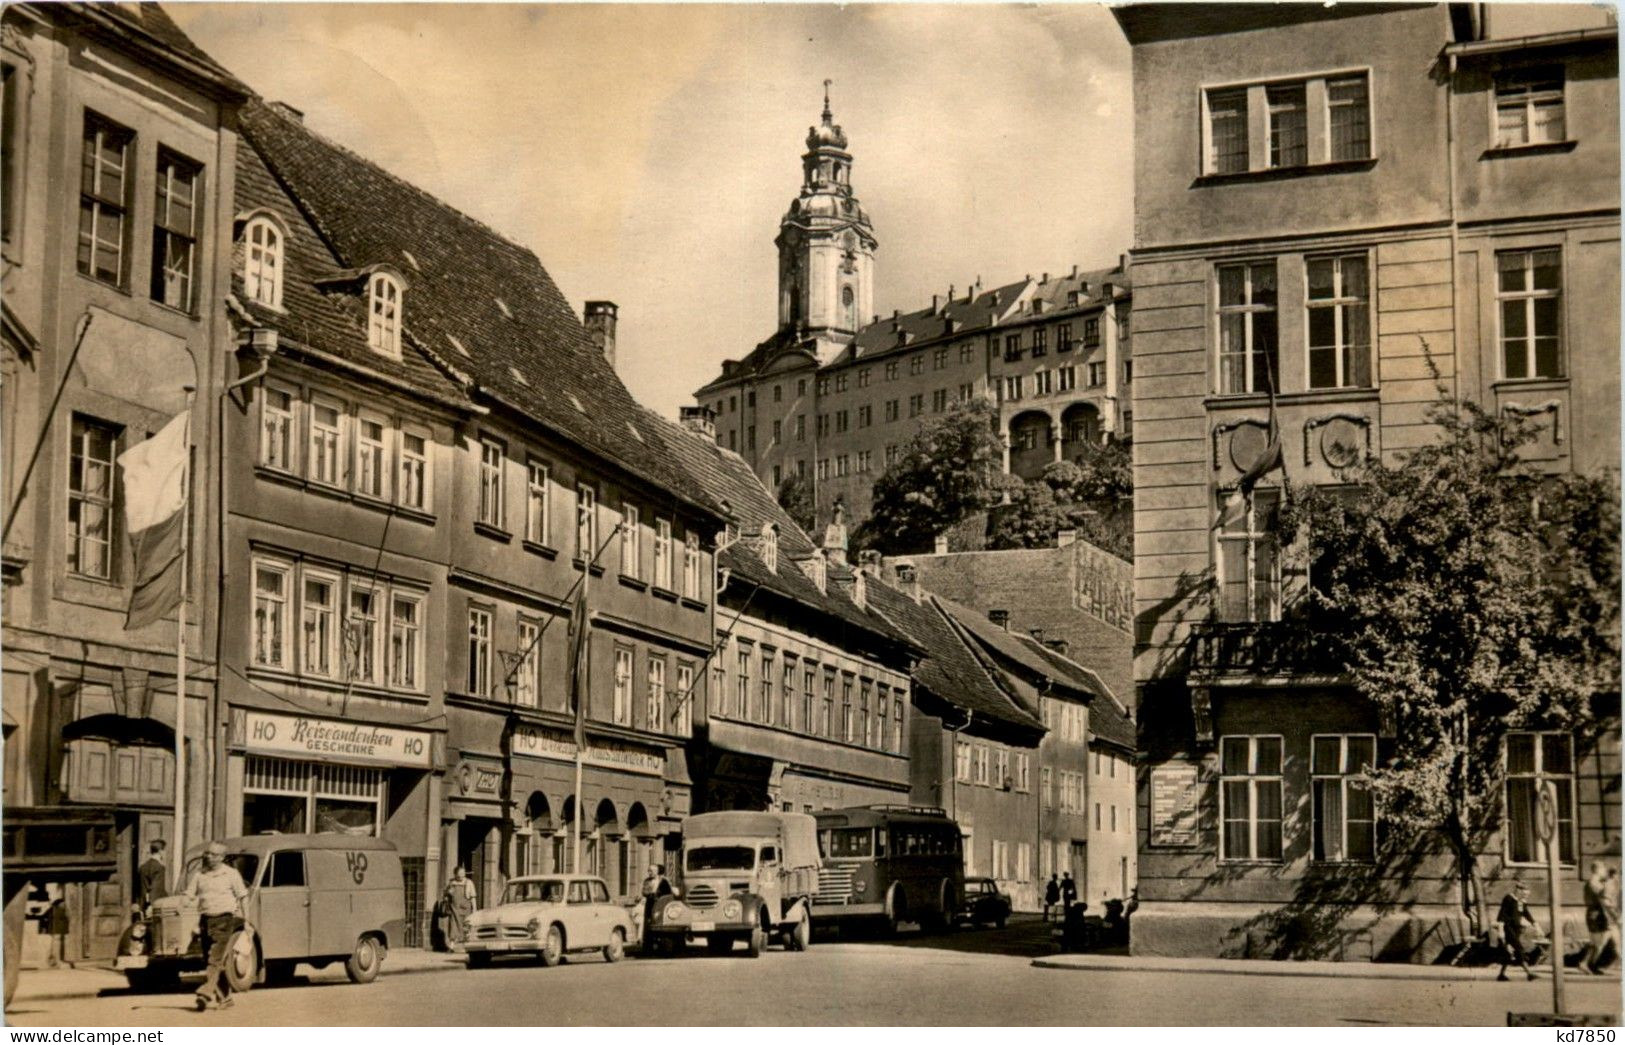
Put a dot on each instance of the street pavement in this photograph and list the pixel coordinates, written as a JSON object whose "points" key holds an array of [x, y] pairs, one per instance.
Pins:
{"points": [[968, 978]]}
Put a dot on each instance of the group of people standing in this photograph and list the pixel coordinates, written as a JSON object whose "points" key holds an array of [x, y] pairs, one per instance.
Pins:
{"points": [[1522, 939], [1060, 892]]}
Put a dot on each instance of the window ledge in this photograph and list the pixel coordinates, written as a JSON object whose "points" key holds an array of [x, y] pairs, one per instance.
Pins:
{"points": [[1532, 149], [271, 473], [693, 604], [324, 490], [496, 533], [581, 564], [634, 582], [663, 593], [1530, 384], [185, 313], [1306, 170], [537, 548], [115, 287], [1308, 395]]}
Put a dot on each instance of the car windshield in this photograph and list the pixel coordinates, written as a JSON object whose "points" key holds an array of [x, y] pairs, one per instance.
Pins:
{"points": [[722, 858], [245, 863], [534, 892]]}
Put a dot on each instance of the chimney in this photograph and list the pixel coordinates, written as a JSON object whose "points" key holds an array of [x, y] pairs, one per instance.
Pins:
{"points": [[1065, 538], [1058, 645], [1122, 262], [834, 544], [908, 579], [701, 420], [600, 323], [1037, 634], [1000, 618], [296, 115], [950, 292], [941, 544], [936, 303], [1045, 279], [1074, 272], [869, 562]]}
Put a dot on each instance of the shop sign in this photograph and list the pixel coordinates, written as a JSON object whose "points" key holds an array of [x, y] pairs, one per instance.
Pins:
{"points": [[1176, 794], [559, 746], [329, 741], [477, 781]]}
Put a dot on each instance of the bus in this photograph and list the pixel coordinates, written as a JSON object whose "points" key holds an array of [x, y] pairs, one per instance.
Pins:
{"points": [[889, 864]]}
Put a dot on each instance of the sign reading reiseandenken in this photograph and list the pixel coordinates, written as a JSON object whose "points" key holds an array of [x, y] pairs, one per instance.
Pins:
{"points": [[328, 740]]}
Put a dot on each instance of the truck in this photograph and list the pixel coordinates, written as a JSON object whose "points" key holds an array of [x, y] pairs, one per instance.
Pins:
{"points": [[63, 844], [747, 877]]}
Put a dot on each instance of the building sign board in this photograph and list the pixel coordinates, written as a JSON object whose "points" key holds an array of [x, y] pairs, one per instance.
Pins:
{"points": [[559, 746], [1176, 796], [325, 740]]}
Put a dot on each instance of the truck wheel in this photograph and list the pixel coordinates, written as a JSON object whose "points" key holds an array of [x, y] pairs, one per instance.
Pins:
{"points": [[242, 961], [362, 965], [719, 944], [895, 909], [553, 946], [801, 935], [617, 945], [757, 943]]}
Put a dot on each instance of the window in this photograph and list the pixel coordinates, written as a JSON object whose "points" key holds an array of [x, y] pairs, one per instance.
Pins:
{"points": [[326, 442], [262, 262], [742, 683], [1012, 387], [965, 392], [663, 556], [372, 456], [318, 624], [527, 677], [778, 432], [1066, 378], [276, 428], [586, 523], [865, 460], [778, 393], [1247, 328], [916, 364], [891, 409], [271, 614], [406, 641], [491, 455], [11, 120], [104, 185], [656, 710], [787, 694], [1289, 129], [1250, 797], [891, 454], [1012, 347], [962, 761], [770, 546], [1097, 374], [847, 724], [413, 491], [1534, 760], [866, 416], [363, 650], [801, 428], [1345, 814], [1023, 773], [1063, 338], [1042, 382], [1529, 293], [865, 720], [891, 370], [843, 464], [1001, 768], [536, 513], [691, 565], [807, 721], [1529, 107], [1227, 131], [681, 714], [823, 425], [384, 314], [1349, 117], [982, 764], [1249, 562], [479, 652], [1339, 322], [631, 542], [1091, 332], [841, 418], [967, 353], [1046, 783], [939, 358], [840, 382], [826, 722], [864, 377], [174, 231], [622, 709], [750, 437], [91, 505]]}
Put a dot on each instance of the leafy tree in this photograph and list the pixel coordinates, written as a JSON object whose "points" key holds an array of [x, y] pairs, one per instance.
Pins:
{"points": [[948, 470], [1466, 595], [1092, 494], [795, 497]]}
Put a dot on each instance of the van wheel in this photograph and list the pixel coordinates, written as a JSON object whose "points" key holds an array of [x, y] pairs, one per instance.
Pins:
{"points": [[362, 965], [242, 961], [801, 935], [757, 942], [553, 946], [617, 945]]}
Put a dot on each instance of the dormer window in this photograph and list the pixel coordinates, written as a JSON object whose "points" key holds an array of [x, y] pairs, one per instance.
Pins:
{"points": [[860, 590], [262, 262], [384, 314], [770, 547]]}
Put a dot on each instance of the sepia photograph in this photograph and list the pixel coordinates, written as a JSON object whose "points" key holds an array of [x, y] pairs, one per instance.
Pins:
{"points": [[810, 515]]}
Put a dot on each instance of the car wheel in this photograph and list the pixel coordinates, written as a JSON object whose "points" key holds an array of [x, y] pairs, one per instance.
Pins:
{"points": [[242, 961], [801, 936], [362, 965], [553, 946], [757, 942], [616, 949], [479, 959]]}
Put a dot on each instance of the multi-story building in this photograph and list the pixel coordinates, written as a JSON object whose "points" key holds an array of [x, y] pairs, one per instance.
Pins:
{"points": [[446, 460], [832, 397], [809, 690], [116, 224], [1319, 234]]}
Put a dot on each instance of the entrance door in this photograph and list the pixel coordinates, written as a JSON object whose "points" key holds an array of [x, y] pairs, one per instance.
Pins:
{"points": [[104, 907], [1080, 867], [478, 840]]}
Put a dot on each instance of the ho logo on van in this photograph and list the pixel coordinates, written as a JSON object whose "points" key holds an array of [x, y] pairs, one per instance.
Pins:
{"points": [[358, 866]]}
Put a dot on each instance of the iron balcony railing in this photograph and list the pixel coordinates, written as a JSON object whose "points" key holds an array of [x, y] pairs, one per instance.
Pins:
{"points": [[1264, 648]]}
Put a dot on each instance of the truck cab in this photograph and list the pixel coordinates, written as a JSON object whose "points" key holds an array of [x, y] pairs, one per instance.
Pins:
{"points": [[747, 877]]}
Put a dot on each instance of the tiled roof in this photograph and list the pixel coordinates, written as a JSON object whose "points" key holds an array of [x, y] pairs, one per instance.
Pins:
{"points": [[949, 670], [1012, 649], [312, 318], [474, 297], [726, 477], [1108, 718], [152, 22]]}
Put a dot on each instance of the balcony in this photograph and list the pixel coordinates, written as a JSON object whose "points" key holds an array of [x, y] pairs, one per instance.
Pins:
{"points": [[1280, 650]]}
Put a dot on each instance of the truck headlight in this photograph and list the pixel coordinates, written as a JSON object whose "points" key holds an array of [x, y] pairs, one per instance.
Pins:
{"points": [[859, 885], [138, 931], [535, 926], [732, 910]]}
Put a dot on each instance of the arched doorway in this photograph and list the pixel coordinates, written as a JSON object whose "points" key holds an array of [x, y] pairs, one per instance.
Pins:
{"points": [[535, 842], [1080, 427], [1030, 444]]}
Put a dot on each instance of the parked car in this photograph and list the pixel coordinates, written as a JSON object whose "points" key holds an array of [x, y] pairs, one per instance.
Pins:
{"points": [[984, 902], [549, 915]]}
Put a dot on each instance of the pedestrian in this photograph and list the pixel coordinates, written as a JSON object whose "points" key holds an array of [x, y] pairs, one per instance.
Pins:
{"points": [[459, 905], [1518, 929], [219, 891], [1052, 896], [1069, 891], [152, 877], [655, 886], [1602, 917], [57, 918]]}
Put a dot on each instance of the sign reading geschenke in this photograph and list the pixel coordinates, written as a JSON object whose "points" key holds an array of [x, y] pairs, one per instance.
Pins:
{"points": [[559, 745], [328, 740]]}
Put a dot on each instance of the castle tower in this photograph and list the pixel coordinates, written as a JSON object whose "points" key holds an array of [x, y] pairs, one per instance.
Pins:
{"points": [[826, 246]]}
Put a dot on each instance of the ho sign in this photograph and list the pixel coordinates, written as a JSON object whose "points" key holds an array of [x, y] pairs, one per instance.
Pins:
{"points": [[333, 741]]}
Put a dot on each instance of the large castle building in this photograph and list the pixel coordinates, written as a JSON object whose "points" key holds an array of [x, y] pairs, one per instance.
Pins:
{"points": [[834, 399]]}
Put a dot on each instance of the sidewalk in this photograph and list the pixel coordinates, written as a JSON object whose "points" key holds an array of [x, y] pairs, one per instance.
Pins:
{"points": [[1339, 970], [88, 981]]}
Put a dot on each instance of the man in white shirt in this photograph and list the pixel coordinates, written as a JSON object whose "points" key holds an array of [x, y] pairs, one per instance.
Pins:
{"points": [[220, 892]]}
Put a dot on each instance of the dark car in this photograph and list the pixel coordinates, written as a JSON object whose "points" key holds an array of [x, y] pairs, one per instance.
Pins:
{"points": [[984, 902]]}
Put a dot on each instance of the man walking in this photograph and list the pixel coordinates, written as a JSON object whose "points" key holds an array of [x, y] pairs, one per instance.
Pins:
{"points": [[153, 875], [1517, 929], [1602, 917], [1069, 892], [655, 886], [219, 891], [1052, 896]]}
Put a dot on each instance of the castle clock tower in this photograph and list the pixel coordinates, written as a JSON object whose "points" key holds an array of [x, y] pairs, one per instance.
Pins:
{"points": [[826, 246]]}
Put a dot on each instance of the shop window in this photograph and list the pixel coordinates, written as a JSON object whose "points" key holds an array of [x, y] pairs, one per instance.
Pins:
{"points": [[288, 797]]}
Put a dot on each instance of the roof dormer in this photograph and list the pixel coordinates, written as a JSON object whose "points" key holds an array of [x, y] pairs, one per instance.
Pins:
{"points": [[769, 546], [262, 238], [385, 294]]}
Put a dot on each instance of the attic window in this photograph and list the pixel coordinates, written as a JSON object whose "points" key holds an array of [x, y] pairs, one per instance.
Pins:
{"points": [[262, 261], [860, 589], [770, 547], [576, 402], [814, 569], [503, 306], [517, 376], [410, 260], [458, 345], [384, 314]]}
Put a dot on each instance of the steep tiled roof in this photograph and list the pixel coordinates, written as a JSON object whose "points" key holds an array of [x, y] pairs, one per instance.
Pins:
{"points": [[480, 300], [949, 670], [1108, 718], [1012, 649]]}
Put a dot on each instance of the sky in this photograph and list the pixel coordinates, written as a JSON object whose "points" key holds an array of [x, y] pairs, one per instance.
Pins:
{"points": [[647, 153]]}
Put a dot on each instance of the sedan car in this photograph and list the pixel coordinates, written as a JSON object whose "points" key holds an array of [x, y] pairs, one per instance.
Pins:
{"points": [[984, 902], [549, 915]]}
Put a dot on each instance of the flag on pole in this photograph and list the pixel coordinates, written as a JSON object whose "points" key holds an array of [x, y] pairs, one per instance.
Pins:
{"points": [[578, 666], [1235, 506], [155, 498]]}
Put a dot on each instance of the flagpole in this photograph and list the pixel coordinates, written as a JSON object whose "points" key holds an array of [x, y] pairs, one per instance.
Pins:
{"points": [[179, 846], [581, 732]]}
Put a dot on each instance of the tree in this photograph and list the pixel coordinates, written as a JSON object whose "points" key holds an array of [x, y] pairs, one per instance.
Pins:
{"points": [[1093, 494], [947, 470], [795, 497], [1466, 596]]}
